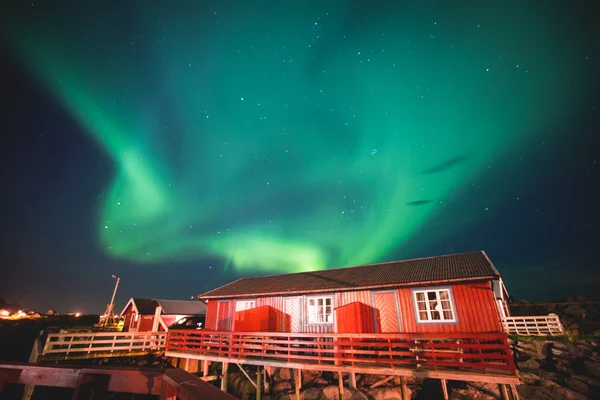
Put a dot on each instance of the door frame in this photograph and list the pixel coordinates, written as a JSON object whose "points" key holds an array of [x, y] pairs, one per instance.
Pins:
{"points": [[301, 316], [397, 303]]}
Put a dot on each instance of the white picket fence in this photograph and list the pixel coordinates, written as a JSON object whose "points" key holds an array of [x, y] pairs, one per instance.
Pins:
{"points": [[542, 325], [89, 344]]}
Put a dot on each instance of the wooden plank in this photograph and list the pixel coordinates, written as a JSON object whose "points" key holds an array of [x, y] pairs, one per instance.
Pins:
{"points": [[353, 379], [382, 381], [225, 367], [341, 385], [444, 384], [125, 380], [298, 382], [190, 387]]}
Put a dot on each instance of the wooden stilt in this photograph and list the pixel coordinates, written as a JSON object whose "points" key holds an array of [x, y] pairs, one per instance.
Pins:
{"points": [[405, 395], [503, 391], [266, 385], [341, 385], [205, 366], [513, 390], [444, 388], [353, 379], [298, 380], [224, 377], [258, 383]]}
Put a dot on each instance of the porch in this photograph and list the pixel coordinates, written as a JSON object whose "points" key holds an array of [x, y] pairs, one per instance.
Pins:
{"points": [[484, 357]]}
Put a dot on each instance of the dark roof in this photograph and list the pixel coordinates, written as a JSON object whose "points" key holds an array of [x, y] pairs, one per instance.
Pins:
{"points": [[145, 306], [454, 267], [178, 307]]}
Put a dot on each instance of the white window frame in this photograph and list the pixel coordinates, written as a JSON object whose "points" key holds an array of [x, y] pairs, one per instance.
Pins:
{"points": [[429, 310], [245, 304], [310, 320]]}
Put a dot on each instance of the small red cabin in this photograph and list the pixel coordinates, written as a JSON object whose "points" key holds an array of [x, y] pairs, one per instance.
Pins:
{"points": [[451, 293], [150, 315]]}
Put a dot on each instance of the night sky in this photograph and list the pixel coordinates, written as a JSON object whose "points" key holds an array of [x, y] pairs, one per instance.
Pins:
{"points": [[182, 145]]}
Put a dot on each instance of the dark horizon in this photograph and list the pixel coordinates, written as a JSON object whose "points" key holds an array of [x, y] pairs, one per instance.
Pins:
{"points": [[182, 148]]}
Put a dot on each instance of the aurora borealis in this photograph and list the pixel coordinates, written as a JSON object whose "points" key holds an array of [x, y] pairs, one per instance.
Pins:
{"points": [[313, 135]]}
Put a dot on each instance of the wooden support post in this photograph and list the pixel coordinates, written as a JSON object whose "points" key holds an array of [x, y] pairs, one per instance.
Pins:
{"points": [[353, 379], [266, 385], [224, 376], [341, 385], [444, 388], [205, 366], [513, 390], [258, 383], [405, 395], [503, 391], [298, 380]]}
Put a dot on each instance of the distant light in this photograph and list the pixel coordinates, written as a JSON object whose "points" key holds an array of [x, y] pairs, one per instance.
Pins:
{"points": [[4, 313], [78, 314]]}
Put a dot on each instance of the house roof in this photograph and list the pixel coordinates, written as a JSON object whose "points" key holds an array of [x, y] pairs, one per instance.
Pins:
{"points": [[177, 307], [182, 307], [453, 267]]}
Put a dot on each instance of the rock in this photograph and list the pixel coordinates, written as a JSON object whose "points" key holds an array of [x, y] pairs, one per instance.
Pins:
{"points": [[529, 364], [282, 386], [386, 393], [281, 374], [332, 392], [311, 394], [593, 368], [548, 393], [320, 382], [577, 385]]}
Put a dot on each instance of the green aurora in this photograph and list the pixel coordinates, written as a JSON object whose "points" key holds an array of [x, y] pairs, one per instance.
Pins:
{"points": [[294, 138]]}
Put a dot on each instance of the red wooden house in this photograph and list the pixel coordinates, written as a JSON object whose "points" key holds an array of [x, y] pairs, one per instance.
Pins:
{"points": [[451, 293], [150, 315]]}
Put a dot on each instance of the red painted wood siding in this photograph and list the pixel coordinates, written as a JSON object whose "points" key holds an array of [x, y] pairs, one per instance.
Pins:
{"points": [[211, 315], [145, 323], [474, 306], [258, 319], [128, 313]]}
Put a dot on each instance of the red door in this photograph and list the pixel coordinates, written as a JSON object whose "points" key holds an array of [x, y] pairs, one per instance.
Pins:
{"points": [[387, 315], [224, 315]]}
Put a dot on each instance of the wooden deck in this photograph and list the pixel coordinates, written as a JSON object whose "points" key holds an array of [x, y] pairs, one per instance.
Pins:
{"points": [[168, 384], [467, 357]]}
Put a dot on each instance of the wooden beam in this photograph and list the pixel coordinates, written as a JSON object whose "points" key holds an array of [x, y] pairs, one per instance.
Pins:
{"points": [[381, 382], [258, 384], [205, 366], [87, 384], [513, 390], [122, 380], [298, 379], [168, 392], [247, 376], [224, 376], [353, 379], [444, 384], [405, 395], [341, 385], [503, 391]]}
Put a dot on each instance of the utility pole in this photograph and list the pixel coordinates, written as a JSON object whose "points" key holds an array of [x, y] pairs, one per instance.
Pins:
{"points": [[110, 314]]}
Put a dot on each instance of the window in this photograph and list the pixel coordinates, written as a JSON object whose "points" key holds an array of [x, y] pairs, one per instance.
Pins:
{"points": [[320, 310], [241, 305], [434, 305]]}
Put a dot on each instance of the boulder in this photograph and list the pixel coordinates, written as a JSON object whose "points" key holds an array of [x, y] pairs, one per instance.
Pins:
{"points": [[530, 364], [283, 374], [548, 393], [311, 394], [593, 368], [386, 393], [332, 392]]}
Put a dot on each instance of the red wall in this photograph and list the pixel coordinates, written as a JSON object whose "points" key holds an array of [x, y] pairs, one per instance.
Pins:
{"points": [[474, 306], [128, 317], [145, 323], [475, 310]]}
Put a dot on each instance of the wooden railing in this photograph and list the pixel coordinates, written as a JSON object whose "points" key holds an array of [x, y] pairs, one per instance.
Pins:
{"points": [[97, 343], [481, 352], [533, 325]]}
